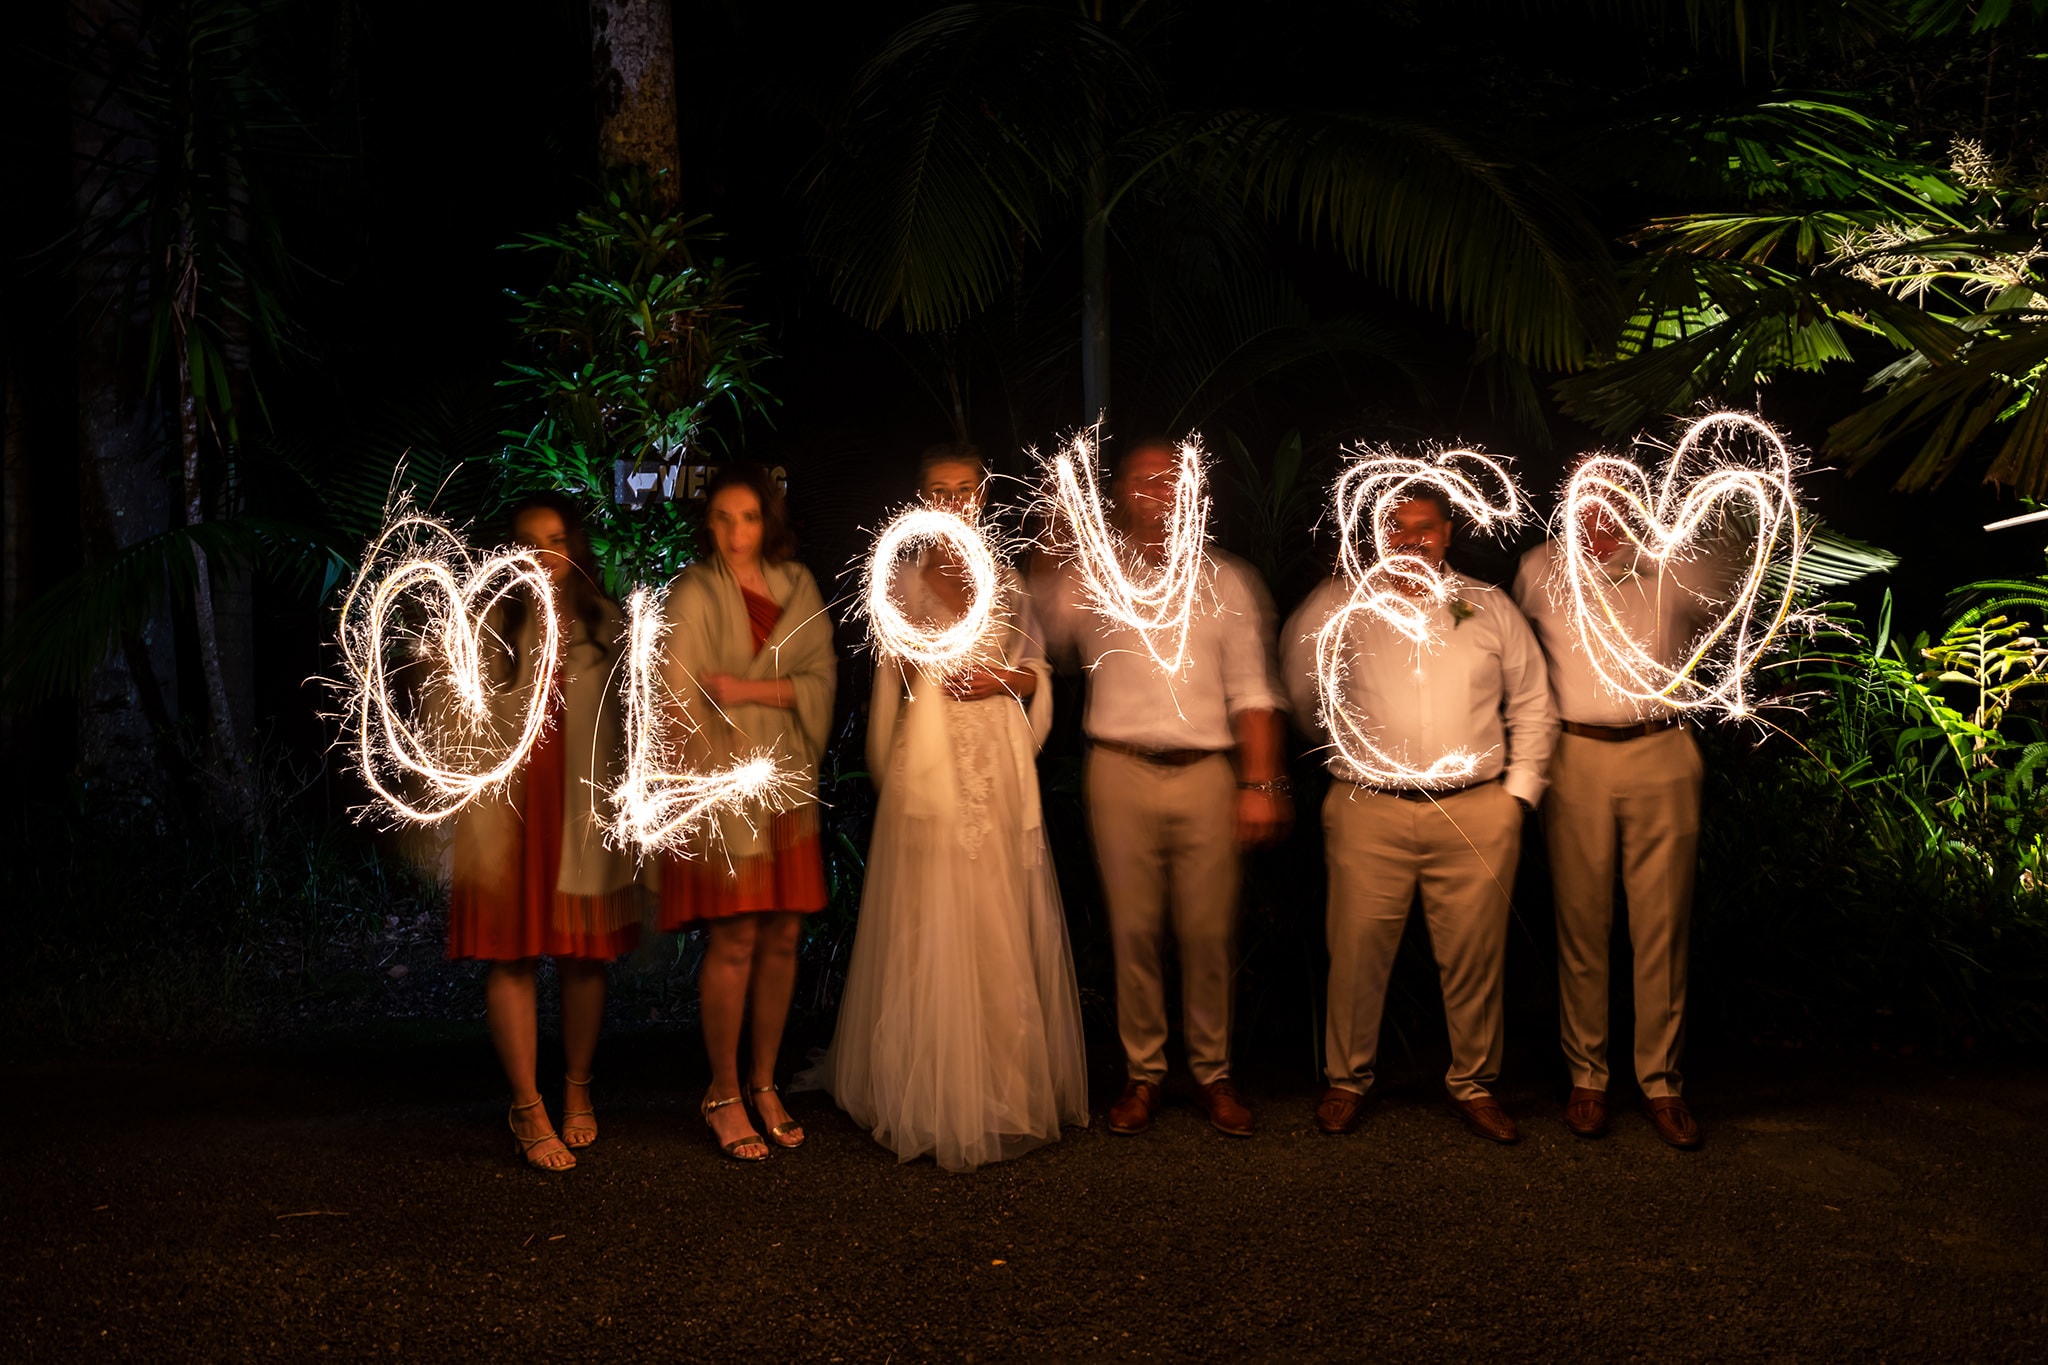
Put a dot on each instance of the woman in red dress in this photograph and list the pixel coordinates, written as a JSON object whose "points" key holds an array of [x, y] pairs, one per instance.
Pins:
{"points": [[749, 659], [532, 877]]}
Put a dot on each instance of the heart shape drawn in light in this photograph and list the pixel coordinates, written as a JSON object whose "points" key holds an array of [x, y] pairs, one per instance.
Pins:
{"points": [[1158, 606], [1402, 591], [423, 599], [1727, 462], [660, 802]]}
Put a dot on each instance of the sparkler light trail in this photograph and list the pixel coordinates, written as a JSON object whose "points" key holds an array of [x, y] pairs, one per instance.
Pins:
{"points": [[1705, 474], [452, 750], [660, 804], [1399, 589], [934, 649], [1158, 607]]}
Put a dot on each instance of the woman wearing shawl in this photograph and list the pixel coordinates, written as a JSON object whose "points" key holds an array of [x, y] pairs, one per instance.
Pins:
{"points": [[749, 658], [959, 1034], [532, 877]]}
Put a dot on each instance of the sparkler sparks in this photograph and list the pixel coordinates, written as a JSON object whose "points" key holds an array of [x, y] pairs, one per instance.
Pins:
{"points": [[1665, 525], [1399, 589], [452, 750], [659, 803], [1158, 607], [934, 649]]}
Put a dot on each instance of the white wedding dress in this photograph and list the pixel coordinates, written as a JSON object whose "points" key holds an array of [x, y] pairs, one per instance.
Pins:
{"points": [[959, 1033]]}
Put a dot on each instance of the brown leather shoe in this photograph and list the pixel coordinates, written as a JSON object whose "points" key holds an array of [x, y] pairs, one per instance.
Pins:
{"points": [[1133, 1110], [1487, 1119], [1340, 1111], [1585, 1113], [1226, 1111], [1674, 1122]]}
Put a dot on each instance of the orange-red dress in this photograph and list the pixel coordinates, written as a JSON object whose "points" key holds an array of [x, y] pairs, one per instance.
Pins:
{"points": [[526, 915], [791, 878]]}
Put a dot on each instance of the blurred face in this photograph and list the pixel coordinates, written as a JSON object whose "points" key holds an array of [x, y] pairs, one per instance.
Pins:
{"points": [[735, 518], [954, 485], [1144, 490], [542, 528], [1601, 533], [1419, 527]]}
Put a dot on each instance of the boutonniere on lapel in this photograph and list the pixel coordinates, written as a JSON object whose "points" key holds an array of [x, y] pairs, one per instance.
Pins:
{"points": [[1461, 611]]}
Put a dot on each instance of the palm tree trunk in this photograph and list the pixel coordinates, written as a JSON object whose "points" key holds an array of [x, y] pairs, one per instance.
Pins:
{"points": [[220, 715], [633, 61], [1094, 296], [123, 498]]}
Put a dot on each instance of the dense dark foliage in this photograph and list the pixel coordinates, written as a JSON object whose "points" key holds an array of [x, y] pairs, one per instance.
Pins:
{"points": [[1296, 213]]}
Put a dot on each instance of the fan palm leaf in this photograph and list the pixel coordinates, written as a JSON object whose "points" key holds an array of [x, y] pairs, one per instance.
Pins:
{"points": [[1426, 211], [964, 135]]}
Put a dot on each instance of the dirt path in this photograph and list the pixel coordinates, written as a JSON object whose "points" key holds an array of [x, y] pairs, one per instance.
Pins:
{"points": [[362, 1199]]}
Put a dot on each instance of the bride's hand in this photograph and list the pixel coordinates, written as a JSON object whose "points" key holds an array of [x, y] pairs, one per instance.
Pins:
{"points": [[976, 684]]}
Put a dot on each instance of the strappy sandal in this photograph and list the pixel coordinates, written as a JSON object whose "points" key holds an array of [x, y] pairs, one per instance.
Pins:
{"points": [[526, 1145], [732, 1149], [781, 1131], [577, 1136]]}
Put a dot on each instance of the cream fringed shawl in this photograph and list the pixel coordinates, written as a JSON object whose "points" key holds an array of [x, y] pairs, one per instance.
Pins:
{"points": [[708, 632], [490, 834]]}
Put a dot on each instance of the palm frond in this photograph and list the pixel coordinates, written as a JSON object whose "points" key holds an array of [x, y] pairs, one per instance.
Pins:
{"points": [[63, 635], [1993, 379], [1501, 248], [962, 139]]}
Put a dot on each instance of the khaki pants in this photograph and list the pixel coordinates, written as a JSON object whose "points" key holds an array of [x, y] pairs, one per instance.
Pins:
{"points": [[1638, 799], [1461, 852], [1166, 840]]}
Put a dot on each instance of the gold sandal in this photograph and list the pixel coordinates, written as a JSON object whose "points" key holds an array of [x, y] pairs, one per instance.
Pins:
{"points": [[781, 1131], [570, 1131], [732, 1149], [526, 1144]]}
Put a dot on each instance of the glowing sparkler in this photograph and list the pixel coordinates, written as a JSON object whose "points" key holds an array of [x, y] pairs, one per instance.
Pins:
{"points": [[659, 802], [932, 648], [1664, 524], [1400, 590], [428, 766], [1159, 606]]}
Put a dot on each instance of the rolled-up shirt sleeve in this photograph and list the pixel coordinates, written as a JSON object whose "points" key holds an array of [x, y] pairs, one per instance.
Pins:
{"points": [[1250, 680], [1526, 708], [1298, 655]]}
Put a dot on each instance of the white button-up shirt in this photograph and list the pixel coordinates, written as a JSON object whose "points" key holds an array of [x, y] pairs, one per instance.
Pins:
{"points": [[1228, 668], [1478, 687], [1663, 608]]}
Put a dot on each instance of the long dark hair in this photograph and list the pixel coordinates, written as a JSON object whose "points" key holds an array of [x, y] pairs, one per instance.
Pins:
{"points": [[586, 599], [778, 542]]}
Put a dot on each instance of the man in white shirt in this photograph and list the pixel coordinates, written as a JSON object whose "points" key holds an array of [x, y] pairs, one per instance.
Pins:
{"points": [[1477, 688], [1624, 786], [1167, 806]]}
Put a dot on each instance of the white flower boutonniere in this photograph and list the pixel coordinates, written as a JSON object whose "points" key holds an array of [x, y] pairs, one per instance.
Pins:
{"points": [[1461, 611]]}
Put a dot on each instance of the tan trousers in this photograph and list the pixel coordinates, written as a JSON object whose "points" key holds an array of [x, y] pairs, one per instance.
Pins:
{"points": [[1638, 800], [1461, 852], [1166, 840]]}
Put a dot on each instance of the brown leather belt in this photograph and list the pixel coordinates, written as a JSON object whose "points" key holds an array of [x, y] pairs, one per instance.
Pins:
{"points": [[1424, 793], [1616, 734], [1165, 758]]}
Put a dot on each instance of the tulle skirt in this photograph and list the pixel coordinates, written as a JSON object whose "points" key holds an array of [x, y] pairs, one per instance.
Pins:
{"points": [[959, 1033]]}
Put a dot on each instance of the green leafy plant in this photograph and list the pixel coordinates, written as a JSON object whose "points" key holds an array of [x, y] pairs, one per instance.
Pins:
{"points": [[637, 363], [1889, 844]]}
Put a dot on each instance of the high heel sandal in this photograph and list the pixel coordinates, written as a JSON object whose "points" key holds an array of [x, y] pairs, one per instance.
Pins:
{"points": [[527, 1144], [572, 1132], [781, 1131], [732, 1149]]}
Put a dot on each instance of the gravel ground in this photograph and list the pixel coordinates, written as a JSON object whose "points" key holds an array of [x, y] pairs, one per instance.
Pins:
{"points": [[361, 1198]]}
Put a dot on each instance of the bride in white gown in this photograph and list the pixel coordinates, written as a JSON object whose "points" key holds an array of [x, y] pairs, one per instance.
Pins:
{"points": [[959, 1033]]}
